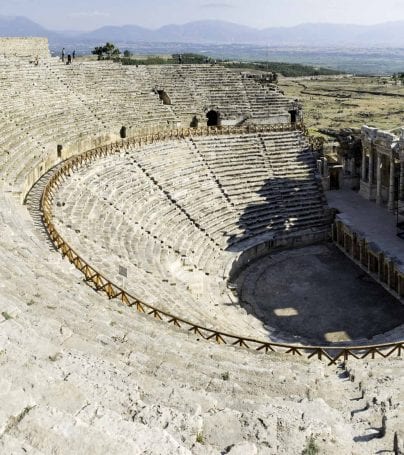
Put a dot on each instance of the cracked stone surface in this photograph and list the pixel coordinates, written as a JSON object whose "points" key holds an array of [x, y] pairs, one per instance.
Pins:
{"points": [[80, 374], [72, 382]]}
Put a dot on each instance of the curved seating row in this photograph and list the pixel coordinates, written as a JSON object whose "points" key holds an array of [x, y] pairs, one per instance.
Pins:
{"points": [[134, 385]]}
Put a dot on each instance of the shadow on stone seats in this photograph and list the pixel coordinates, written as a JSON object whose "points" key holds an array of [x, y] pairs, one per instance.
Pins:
{"points": [[312, 293], [290, 204]]}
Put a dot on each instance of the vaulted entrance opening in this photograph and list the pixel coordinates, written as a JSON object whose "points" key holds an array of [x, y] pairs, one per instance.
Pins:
{"points": [[213, 118], [293, 116]]}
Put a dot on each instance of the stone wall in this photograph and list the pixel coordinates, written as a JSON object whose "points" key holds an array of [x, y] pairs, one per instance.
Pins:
{"points": [[263, 248], [272, 120], [67, 151], [24, 47], [387, 270]]}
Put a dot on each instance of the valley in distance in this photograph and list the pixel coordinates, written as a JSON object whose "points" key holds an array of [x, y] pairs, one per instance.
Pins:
{"points": [[361, 61]]}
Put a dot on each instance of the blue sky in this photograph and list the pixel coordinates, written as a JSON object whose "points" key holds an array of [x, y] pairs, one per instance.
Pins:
{"points": [[90, 14]]}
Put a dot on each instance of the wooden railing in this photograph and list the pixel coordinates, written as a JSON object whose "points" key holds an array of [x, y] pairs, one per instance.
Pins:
{"points": [[102, 284]]}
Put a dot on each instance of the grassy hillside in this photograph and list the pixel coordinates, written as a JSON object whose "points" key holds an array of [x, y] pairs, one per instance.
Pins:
{"points": [[285, 69]]}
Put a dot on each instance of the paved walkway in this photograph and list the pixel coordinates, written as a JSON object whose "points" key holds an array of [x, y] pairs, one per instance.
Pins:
{"points": [[376, 223]]}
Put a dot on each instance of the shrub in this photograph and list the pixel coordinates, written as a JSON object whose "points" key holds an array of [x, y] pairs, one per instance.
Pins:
{"points": [[311, 448], [199, 438]]}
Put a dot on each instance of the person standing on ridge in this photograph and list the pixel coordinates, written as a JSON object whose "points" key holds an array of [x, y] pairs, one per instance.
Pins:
{"points": [[63, 54]]}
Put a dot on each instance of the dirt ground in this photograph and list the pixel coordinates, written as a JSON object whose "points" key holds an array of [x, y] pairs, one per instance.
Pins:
{"points": [[318, 294]]}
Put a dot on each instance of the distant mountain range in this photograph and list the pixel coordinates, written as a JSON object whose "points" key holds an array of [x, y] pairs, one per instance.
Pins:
{"points": [[389, 34]]}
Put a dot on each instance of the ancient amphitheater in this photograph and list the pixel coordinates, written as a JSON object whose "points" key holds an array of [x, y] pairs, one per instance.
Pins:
{"points": [[173, 279]]}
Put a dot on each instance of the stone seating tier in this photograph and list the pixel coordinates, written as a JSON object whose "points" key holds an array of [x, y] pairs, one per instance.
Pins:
{"points": [[95, 352], [64, 105], [133, 384], [59, 338], [24, 47], [169, 212]]}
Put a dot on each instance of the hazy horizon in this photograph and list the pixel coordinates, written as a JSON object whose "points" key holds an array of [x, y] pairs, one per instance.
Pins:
{"points": [[86, 15]]}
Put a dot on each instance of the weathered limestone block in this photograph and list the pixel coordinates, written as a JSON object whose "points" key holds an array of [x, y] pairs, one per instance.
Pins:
{"points": [[24, 47]]}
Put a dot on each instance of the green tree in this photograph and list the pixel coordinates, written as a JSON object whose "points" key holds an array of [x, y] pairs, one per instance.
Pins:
{"points": [[98, 51], [107, 51], [111, 51]]}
